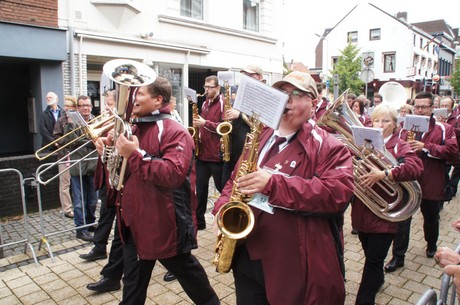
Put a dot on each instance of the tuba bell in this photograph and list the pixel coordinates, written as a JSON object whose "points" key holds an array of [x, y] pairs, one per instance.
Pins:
{"points": [[126, 74], [393, 93], [402, 199]]}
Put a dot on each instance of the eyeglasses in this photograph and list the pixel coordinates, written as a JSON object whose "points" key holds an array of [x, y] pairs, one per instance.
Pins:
{"points": [[297, 94], [209, 87], [85, 105], [423, 107]]}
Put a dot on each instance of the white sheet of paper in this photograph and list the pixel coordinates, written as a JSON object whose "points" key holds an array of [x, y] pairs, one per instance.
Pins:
{"points": [[416, 122], [440, 112], [226, 77], [190, 94], [261, 202], [255, 97], [400, 119], [361, 135], [76, 117]]}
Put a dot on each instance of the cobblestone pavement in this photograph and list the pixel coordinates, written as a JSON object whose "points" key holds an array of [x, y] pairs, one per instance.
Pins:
{"points": [[64, 280]]}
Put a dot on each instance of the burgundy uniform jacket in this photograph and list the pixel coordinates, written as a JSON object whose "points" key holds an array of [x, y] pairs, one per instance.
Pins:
{"points": [[211, 111], [158, 202], [314, 182], [410, 168], [440, 147]]}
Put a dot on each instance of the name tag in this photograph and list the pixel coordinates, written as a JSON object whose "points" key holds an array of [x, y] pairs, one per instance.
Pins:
{"points": [[261, 202]]}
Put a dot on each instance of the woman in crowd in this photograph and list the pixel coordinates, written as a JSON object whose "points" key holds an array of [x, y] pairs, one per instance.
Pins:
{"points": [[375, 233], [357, 107]]}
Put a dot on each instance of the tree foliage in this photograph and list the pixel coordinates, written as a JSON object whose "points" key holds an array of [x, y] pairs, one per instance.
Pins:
{"points": [[348, 69], [455, 80]]}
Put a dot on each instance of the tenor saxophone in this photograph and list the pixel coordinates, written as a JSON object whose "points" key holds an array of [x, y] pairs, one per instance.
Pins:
{"points": [[225, 128], [194, 130], [235, 218]]}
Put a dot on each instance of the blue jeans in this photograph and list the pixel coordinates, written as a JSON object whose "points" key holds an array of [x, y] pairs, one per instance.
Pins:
{"points": [[84, 215]]}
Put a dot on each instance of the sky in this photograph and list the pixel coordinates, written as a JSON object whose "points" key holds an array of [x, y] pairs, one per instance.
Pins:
{"points": [[309, 17]]}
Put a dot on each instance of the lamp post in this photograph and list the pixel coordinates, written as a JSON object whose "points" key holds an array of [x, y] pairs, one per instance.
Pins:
{"points": [[324, 59]]}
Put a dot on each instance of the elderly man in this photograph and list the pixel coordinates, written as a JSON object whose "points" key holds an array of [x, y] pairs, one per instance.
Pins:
{"points": [[309, 192], [49, 118]]}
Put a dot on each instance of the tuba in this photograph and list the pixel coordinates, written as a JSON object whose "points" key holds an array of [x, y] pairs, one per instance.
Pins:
{"points": [[126, 74], [235, 218], [225, 128], [402, 199]]}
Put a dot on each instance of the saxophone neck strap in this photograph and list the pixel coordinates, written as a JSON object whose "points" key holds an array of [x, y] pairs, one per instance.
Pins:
{"points": [[151, 118]]}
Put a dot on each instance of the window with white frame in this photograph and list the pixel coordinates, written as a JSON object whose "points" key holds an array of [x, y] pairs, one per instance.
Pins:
{"points": [[251, 15], [389, 62], [191, 8], [352, 37], [374, 34]]}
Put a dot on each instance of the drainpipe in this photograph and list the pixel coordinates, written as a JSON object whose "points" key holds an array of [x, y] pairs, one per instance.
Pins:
{"points": [[80, 67], [72, 63]]}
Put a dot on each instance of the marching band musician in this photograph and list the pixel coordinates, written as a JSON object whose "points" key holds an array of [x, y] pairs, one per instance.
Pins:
{"points": [[156, 204], [209, 162], [375, 233], [311, 188]]}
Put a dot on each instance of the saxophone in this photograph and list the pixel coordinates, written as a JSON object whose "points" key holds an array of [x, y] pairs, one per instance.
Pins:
{"points": [[235, 218], [194, 130], [225, 128]]}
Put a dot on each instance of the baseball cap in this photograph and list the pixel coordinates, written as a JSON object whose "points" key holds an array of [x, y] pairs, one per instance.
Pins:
{"points": [[252, 69], [301, 80]]}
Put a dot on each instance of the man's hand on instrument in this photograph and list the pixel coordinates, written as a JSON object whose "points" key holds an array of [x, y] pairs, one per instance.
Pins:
{"points": [[232, 114], [253, 182], [199, 122], [454, 270], [371, 178], [456, 225], [445, 256], [416, 145], [100, 143], [126, 147]]}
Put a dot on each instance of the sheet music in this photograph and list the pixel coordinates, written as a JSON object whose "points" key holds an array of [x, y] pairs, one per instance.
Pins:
{"points": [[226, 77], [76, 118], [255, 97], [190, 94], [371, 135], [416, 122], [440, 112]]}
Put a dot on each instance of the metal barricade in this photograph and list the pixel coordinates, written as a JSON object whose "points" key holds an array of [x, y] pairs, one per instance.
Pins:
{"points": [[25, 240], [42, 181]]}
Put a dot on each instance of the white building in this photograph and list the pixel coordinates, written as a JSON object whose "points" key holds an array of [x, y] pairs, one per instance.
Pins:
{"points": [[183, 40], [396, 50]]}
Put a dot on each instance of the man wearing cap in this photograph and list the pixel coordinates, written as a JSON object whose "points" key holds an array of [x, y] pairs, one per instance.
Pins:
{"points": [[294, 254], [240, 126]]}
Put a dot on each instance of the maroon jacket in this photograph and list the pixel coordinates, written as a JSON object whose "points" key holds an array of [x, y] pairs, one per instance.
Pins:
{"points": [[158, 201], [410, 168], [315, 181], [322, 108], [212, 112], [453, 120], [440, 147]]}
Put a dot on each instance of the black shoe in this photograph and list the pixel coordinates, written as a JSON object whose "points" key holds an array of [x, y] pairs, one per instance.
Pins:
{"points": [[94, 255], [83, 235], [394, 264], [431, 251], [169, 277], [354, 232], [104, 285]]}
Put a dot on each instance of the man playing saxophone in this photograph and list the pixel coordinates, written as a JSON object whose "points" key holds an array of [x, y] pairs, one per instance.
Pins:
{"points": [[306, 176]]}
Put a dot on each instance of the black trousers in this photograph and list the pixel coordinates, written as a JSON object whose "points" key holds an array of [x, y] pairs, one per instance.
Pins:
{"points": [[249, 279], [105, 222], [114, 267], [185, 267], [375, 246], [430, 211], [227, 171], [204, 171]]}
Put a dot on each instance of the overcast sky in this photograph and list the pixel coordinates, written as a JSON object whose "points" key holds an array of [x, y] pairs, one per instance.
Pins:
{"points": [[308, 17]]}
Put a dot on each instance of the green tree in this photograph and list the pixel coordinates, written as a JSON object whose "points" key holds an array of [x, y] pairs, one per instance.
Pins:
{"points": [[455, 80], [348, 68]]}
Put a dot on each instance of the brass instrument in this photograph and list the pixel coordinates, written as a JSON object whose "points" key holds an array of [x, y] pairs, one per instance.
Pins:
{"points": [[225, 128], [393, 93], [235, 218], [194, 131], [126, 74], [405, 197]]}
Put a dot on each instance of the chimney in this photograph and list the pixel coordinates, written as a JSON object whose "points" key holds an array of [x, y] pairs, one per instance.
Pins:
{"points": [[402, 15]]}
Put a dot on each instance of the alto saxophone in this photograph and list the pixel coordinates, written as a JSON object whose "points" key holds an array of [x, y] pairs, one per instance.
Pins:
{"points": [[194, 130], [225, 128], [235, 218]]}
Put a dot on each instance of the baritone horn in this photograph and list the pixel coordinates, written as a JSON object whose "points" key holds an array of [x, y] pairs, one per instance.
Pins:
{"points": [[126, 74], [402, 198]]}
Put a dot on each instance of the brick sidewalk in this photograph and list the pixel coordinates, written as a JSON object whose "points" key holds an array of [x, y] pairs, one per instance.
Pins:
{"points": [[64, 281]]}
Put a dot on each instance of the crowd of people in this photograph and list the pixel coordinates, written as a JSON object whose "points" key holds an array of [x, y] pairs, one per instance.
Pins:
{"points": [[304, 180]]}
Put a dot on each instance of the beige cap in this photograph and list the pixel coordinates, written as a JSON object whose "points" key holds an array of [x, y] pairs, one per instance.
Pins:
{"points": [[301, 80], [252, 69]]}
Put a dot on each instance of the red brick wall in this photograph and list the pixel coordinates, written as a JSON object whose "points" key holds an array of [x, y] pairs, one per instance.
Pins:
{"points": [[33, 12]]}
